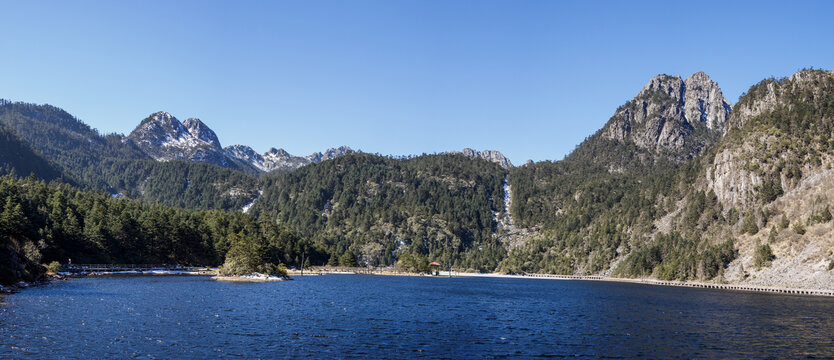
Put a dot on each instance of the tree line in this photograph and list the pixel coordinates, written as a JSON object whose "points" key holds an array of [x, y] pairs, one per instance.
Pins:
{"points": [[44, 222]]}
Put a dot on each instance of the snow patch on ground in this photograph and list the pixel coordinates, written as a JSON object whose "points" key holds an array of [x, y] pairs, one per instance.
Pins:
{"points": [[508, 201], [248, 206]]}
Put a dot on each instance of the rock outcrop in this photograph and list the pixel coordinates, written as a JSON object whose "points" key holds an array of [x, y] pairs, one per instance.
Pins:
{"points": [[665, 114], [164, 138], [489, 155], [201, 131], [280, 159], [787, 137], [704, 101]]}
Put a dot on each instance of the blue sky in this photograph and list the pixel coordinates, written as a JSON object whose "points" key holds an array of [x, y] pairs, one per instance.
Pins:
{"points": [[529, 78]]}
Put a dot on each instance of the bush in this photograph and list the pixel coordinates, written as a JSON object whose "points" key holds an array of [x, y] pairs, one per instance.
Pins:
{"points": [[349, 259], [831, 265], [415, 263], [54, 267], [771, 190], [749, 226], [31, 251], [763, 256], [784, 223], [732, 216], [799, 228], [672, 256], [823, 216]]}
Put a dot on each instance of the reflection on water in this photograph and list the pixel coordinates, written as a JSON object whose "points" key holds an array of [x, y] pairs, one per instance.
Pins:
{"points": [[347, 316]]}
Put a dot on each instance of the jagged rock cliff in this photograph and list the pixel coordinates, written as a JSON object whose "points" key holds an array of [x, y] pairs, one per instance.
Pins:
{"points": [[779, 132], [202, 132], [667, 114], [771, 180], [165, 138], [489, 155], [704, 102], [280, 159]]}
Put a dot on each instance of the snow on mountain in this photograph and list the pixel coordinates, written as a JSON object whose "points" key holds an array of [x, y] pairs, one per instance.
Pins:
{"points": [[280, 159], [202, 131], [165, 138]]}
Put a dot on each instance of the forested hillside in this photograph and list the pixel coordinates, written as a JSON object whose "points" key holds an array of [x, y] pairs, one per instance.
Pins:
{"points": [[674, 186], [379, 208], [717, 215], [668, 123], [111, 164], [40, 223], [17, 157]]}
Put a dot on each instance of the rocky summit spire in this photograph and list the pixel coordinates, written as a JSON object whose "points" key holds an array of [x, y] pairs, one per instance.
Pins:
{"points": [[665, 113], [705, 102]]}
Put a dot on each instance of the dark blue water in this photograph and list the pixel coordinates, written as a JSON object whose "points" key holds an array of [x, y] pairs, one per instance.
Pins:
{"points": [[343, 316]]}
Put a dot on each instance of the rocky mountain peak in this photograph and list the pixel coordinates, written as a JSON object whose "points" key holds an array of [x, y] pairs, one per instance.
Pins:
{"points": [[162, 122], [280, 159], [672, 86], [328, 154], [163, 137], [243, 152], [489, 155], [202, 131], [281, 153], [161, 116], [158, 129], [664, 114], [704, 101]]}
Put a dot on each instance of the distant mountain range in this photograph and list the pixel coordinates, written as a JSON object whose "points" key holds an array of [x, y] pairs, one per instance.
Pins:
{"points": [[165, 138]]}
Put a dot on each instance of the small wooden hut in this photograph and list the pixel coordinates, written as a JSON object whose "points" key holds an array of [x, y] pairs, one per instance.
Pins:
{"points": [[434, 268]]}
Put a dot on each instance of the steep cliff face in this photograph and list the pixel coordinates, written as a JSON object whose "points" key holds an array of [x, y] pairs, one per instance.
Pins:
{"points": [[731, 179], [768, 184], [668, 112], [704, 102], [778, 133]]}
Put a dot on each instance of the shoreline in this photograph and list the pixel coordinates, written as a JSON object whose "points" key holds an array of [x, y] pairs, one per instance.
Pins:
{"points": [[10, 289], [654, 282], [61, 276]]}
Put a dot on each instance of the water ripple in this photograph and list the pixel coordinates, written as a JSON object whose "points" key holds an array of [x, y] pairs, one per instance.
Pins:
{"points": [[406, 317]]}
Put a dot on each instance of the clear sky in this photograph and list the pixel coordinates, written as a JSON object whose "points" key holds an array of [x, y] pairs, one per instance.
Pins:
{"points": [[529, 78]]}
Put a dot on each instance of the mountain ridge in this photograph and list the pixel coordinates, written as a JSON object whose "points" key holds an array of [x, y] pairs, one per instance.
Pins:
{"points": [[163, 137], [676, 185]]}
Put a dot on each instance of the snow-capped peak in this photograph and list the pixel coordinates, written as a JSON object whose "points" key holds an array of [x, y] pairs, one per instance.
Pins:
{"points": [[200, 130]]}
